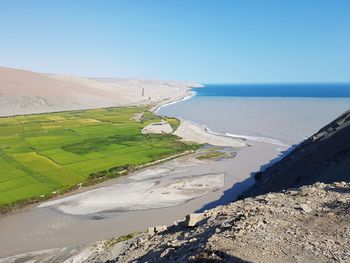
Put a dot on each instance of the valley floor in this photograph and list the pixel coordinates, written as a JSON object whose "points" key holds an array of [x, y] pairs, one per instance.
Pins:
{"points": [[65, 224], [308, 224]]}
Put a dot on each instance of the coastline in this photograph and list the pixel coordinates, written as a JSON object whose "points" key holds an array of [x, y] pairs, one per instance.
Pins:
{"points": [[160, 105], [209, 130]]}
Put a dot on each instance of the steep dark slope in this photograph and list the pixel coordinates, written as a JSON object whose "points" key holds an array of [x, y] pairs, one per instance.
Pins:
{"points": [[324, 157]]}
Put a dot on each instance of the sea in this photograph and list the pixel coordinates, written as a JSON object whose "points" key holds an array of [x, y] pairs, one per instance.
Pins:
{"points": [[282, 114]]}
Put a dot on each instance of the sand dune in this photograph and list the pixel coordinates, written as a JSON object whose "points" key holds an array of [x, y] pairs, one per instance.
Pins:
{"points": [[25, 92]]}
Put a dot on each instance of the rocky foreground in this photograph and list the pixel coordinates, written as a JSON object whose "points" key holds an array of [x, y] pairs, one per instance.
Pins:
{"points": [[308, 224]]}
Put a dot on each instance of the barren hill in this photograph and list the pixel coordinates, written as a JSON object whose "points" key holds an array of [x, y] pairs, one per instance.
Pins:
{"points": [[25, 92]]}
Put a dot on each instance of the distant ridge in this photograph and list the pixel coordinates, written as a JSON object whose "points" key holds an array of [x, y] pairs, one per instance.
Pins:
{"points": [[27, 92]]}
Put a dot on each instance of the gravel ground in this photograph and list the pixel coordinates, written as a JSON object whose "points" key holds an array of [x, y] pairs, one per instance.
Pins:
{"points": [[309, 224]]}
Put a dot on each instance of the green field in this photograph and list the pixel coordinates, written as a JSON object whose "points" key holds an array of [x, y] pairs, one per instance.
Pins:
{"points": [[46, 153]]}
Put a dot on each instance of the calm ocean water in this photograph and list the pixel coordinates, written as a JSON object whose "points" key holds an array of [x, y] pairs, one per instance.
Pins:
{"points": [[277, 113], [336, 90]]}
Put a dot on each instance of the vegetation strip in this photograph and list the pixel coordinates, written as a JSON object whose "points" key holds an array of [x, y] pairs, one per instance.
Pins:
{"points": [[42, 155]]}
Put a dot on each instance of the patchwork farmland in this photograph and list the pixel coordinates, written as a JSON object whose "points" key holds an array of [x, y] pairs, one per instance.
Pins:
{"points": [[44, 154]]}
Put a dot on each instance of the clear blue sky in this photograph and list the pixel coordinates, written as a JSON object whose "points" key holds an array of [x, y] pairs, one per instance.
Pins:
{"points": [[213, 41]]}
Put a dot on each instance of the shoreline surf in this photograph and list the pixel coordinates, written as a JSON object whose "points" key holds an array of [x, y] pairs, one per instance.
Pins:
{"points": [[224, 134], [160, 106]]}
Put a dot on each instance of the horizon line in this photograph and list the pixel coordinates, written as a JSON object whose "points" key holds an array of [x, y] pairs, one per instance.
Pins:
{"points": [[276, 83]]}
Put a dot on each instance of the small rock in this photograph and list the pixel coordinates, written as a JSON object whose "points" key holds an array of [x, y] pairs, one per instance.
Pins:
{"points": [[151, 231], [211, 219], [140, 240], [342, 200], [305, 208], [247, 208], [166, 252], [193, 219], [240, 233], [306, 191], [270, 196], [160, 228], [339, 184], [174, 243], [226, 224]]}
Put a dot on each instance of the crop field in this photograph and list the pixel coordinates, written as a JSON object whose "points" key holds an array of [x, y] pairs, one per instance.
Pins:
{"points": [[47, 153]]}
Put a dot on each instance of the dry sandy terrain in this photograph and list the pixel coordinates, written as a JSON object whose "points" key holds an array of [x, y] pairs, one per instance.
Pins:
{"points": [[158, 127], [25, 92], [191, 132], [157, 192]]}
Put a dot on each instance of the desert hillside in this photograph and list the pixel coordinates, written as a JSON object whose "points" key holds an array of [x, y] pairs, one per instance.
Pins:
{"points": [[25, 92]]}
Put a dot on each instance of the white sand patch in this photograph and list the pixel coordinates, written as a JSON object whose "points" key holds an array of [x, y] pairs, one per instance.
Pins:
{"points": [[29, 256], [139, 195], [81, 256], [158, 127], [191, 132], [137, 117], [149, 173]]}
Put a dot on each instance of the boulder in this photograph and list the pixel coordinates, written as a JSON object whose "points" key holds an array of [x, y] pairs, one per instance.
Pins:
{"points": [[193, 219], [156, 229], [151, 231]]}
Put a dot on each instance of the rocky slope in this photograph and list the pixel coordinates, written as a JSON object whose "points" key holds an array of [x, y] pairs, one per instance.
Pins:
{"points": [[324, 157], [309, 224]]}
